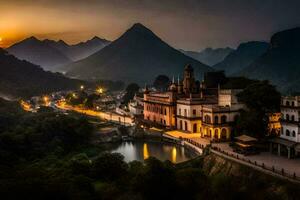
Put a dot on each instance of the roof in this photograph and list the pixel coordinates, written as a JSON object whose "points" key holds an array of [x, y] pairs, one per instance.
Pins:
{"points": [[282, 141], [246, 138]]}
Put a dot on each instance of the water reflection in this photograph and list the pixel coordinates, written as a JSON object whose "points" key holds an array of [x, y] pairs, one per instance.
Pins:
{"points": [[139, 150], [146, 152]]}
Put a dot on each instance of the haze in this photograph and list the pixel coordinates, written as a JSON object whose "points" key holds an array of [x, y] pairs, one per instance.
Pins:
{"points": [[189, 24]]}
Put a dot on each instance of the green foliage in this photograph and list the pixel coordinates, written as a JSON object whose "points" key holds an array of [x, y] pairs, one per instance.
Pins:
{"points": [[131, 90], [161, 82], [260, 98]]}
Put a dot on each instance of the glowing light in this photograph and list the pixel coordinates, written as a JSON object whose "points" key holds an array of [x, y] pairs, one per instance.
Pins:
{"points": [[1, 39], [145, 151], [99, 90], [46, 99], [82, 87]]}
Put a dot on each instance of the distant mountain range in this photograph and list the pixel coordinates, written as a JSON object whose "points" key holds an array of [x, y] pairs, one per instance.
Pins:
{"points": [[19, 78], [50, 54], [209, 56], [242, 57], [280, 63], [81, 50], [137, 56]]}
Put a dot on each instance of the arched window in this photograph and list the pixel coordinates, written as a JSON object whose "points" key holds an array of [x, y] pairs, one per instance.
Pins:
{"points": [[224, 134], [216, 119], [287, 132], [293, 118], [180, 125], [207, 119], [223, 119], [216, 134], [185, 126], [287, 103], [294, 134], [293, 103], [287, 117]]}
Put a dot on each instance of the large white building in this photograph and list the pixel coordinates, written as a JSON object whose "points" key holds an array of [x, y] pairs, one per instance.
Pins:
{"points": [[210, 116], [288, 143]]}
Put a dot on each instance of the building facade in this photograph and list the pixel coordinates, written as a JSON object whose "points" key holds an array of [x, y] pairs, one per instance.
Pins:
{"points": [[288, 142], [193, 107]]}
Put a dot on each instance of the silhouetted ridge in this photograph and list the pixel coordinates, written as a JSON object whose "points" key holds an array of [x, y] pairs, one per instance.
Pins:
{"points": [[138, 55]]}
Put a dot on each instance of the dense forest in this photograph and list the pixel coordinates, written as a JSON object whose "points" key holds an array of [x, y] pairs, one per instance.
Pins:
{"points": [[48, 155]]}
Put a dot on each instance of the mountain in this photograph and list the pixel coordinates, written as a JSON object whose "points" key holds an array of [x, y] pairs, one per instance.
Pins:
{"points": [[81, 50], [209, 56], [19, 78], [243, 56], [137, 56], [281, 63], [39, 53]]}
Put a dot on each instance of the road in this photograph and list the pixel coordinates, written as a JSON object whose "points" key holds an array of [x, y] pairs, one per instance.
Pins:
{"points": [[110, 116]]}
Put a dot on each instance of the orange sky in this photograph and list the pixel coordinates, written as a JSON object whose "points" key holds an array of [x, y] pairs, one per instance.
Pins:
{"points": [[187, 24]]}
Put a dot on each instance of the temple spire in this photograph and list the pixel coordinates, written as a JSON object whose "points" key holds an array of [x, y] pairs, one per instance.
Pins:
{"points": [[173, 80]]}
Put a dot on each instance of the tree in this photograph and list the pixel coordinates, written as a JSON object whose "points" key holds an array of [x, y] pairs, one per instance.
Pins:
{"points": [[260, 98], [161, 82], [131, 90]]}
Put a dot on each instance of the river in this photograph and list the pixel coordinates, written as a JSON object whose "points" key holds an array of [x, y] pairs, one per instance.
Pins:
{"points": [[141, 150]]}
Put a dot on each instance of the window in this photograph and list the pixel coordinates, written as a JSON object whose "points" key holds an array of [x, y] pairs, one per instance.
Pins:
{"points": [[185, 112], [294, 134], [195, 128], [216, 119], [293, 118], [293, 103], [164, 122], [223, 119], [179, 111], [194, 112], [287, 132], [161, 121], [287, 103], [287, 117], [185, 126], [180, 125], [207, 119], [165, 111]]}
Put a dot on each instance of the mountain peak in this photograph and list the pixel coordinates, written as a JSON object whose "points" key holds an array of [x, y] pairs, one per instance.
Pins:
{"points": [[140, 29], [32, 38]]}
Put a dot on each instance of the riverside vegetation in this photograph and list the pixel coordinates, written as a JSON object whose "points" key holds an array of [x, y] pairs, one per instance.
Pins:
{"points": [[48, 155]]}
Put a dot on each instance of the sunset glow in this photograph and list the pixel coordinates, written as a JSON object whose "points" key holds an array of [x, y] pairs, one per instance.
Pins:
{"points": [[186, 25]]}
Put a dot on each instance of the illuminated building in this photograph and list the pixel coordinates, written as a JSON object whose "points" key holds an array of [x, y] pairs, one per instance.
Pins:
{"points": [[193, 107], [288, 142]]}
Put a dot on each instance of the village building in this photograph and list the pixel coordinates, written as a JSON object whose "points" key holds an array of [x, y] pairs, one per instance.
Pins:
{"points": [[193, 107], [136, 106], [288, 143]]}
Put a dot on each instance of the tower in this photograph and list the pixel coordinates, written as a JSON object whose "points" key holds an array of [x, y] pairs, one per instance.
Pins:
{"points": [[189, 85]]}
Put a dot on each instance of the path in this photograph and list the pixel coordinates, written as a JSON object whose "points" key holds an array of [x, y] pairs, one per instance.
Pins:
{"points": [[289, 165]]}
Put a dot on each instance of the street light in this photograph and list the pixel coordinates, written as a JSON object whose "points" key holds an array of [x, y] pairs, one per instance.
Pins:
{"points": [[82, 87], [99, 90]]}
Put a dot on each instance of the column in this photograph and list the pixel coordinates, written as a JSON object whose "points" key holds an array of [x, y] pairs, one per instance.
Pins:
{"points": [[279, 150]]}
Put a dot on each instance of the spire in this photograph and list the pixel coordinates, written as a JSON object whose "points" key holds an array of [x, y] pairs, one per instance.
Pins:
{"points": [[178, 80], [173, 80]]}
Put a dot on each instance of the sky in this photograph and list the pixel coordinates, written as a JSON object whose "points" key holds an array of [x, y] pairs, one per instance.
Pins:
{"points": [[185, 24]]}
